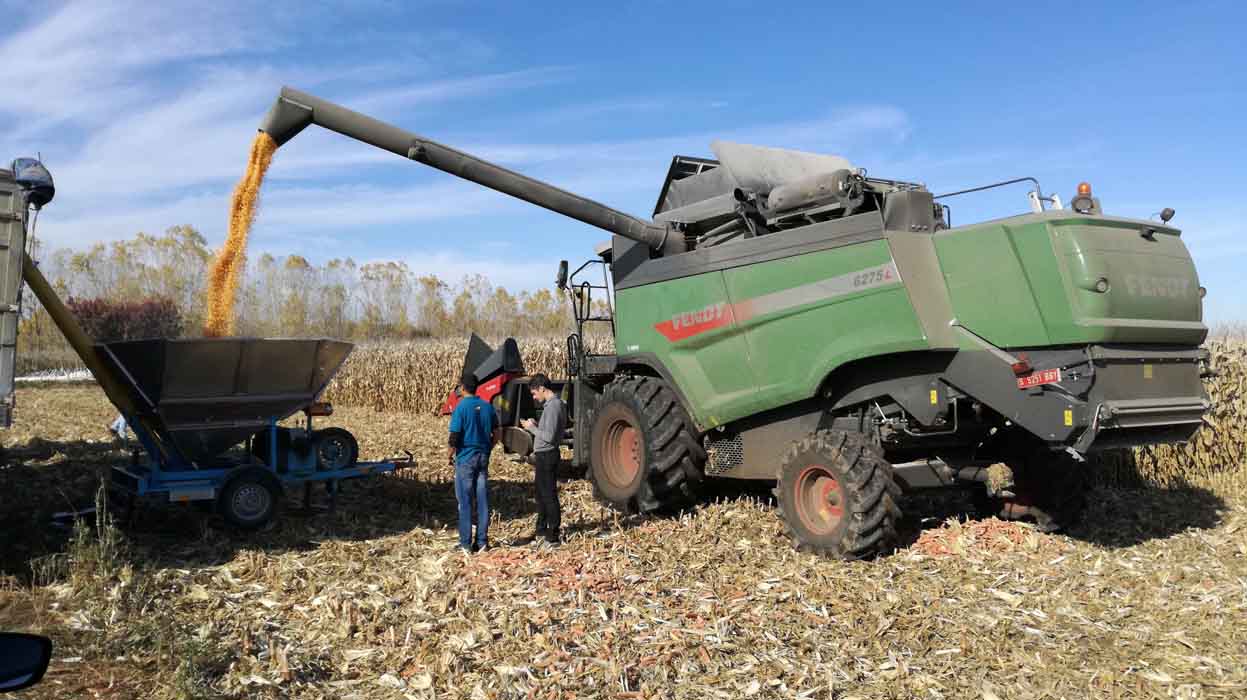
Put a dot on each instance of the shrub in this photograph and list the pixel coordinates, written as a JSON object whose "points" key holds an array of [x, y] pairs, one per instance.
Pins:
{"points": [[105, 320]]}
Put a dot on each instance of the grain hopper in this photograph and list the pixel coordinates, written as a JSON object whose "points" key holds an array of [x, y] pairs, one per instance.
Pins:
{"points": [[206, 411]]}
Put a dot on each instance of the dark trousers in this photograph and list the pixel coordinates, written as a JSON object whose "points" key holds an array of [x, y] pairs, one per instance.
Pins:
{"points": [[546, 465]]}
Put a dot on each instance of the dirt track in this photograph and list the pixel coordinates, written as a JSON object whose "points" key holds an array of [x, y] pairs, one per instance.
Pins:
{"points": [[1145, 599]]}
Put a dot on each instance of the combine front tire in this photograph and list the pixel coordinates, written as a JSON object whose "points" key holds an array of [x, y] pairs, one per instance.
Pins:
{"points": [[837, 496], [643, 453]]}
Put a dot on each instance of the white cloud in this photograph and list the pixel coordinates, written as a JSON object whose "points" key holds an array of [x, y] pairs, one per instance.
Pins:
{"points": [[455, 88], [86, 60]]}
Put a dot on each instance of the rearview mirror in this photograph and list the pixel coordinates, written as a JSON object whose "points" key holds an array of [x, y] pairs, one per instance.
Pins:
{"points": [[23, 660], [561, 281]]}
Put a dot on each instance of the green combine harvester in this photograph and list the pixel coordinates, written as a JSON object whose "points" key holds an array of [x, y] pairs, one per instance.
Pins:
{"points": [[784, 317]]}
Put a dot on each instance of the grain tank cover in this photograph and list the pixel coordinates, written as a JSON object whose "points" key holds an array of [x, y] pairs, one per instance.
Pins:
{"points": [[701, 192], [762, 168], [206, 395]]}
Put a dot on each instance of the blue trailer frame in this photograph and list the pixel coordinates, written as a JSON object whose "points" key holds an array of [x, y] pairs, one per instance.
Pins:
{"points": [[185, 482]]}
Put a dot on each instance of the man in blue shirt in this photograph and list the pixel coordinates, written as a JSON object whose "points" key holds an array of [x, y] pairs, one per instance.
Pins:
{"points": [[473, 431]]}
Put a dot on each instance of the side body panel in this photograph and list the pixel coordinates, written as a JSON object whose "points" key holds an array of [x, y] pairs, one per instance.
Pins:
{"points": [[807, 315], [688, 326], [750, 338], [990, 289]]}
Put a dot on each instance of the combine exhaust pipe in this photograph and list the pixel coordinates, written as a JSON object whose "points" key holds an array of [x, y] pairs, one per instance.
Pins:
{"points": [[295, 110]]}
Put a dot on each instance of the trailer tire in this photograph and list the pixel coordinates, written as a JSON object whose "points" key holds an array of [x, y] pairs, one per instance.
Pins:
{"points": [[250, 499], [643, 452], [336, 448], [837, 496]]}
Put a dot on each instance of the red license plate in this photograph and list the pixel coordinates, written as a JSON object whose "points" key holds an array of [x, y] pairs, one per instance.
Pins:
{"points": [[1043, 376]]}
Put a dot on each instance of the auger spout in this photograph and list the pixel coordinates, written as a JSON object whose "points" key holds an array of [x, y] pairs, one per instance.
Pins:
{"points": [[295, 110]]}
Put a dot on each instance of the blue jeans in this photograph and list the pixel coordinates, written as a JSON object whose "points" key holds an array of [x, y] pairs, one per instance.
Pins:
{"points": [[471, 482]]}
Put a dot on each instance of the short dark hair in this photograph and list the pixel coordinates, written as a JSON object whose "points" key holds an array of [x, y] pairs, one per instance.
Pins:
{"points": [[468, 382], [539, 381]]}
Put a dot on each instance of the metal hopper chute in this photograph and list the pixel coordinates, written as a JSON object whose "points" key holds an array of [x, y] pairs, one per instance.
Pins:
{"points": [[202, 396]]}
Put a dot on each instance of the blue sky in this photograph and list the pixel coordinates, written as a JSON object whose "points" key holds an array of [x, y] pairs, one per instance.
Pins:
{"points": [[144, 112]]}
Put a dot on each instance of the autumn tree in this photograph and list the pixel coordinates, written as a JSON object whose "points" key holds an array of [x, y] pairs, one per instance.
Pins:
{"points": [[284, 295], [432, 314]]}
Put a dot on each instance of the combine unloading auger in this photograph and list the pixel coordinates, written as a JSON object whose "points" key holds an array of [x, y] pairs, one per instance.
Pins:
{"points": [[296, 110]]}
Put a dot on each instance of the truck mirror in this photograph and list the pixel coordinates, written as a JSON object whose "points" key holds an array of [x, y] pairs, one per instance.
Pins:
{"points": [[561, 281]]}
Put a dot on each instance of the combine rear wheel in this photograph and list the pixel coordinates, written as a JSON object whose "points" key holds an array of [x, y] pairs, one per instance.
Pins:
{"points": [[837, 496], [643, 453]]}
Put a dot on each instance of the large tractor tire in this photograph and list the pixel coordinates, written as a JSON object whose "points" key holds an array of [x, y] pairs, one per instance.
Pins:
{"points": [[837, 496], [644, 455]]}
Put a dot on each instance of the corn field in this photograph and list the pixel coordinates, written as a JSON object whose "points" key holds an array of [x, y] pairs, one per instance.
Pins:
{"points": [[416, 376]]}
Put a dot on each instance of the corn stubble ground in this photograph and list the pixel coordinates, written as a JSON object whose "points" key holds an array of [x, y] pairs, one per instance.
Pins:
{"points": [[1144, 599]]}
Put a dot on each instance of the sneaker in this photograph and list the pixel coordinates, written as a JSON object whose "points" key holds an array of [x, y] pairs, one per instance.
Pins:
{"points": [[552, 539], [480, 548]]}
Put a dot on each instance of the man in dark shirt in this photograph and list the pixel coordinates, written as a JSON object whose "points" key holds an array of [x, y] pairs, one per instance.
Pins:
{"points": [[473, 431], [548, 434]]}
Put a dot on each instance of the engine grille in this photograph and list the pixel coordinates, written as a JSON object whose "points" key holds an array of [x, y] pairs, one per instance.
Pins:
{"points": [[724, 455]]}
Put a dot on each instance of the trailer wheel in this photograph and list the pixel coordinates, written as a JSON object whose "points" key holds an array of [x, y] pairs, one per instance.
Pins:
{"points": [[250, 499], [837, 496], [643, 455], [336, 448]]}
